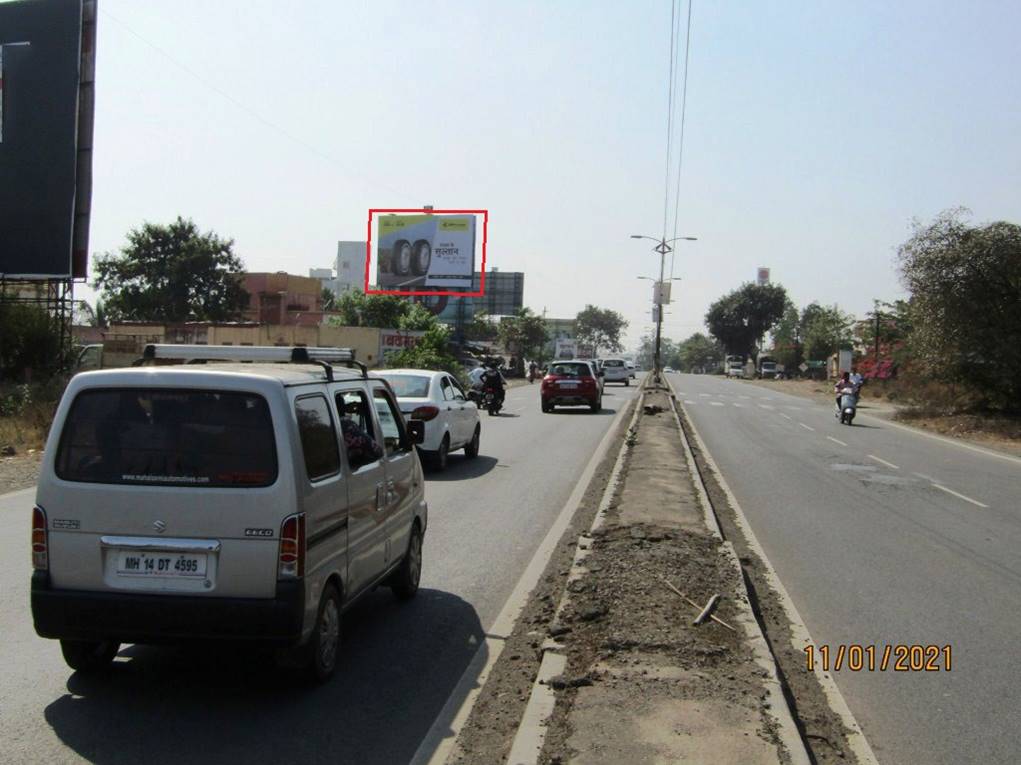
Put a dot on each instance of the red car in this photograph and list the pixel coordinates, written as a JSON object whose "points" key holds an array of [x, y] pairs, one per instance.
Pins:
{"points": [[571, 383]]}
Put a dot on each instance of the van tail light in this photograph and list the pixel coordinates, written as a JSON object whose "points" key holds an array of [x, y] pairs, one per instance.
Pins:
{"points": [[291, 564], [425, 413], [40, 540]]}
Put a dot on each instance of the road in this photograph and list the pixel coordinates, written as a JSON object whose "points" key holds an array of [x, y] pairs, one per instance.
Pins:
{"points": [[401, 661], [883, 536]]}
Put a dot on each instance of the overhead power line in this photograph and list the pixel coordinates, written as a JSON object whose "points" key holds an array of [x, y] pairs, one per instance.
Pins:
{"points": [[680, 141]]}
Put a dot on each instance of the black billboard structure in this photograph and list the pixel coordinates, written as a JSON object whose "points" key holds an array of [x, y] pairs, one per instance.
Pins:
{"points": [[47, 93]]}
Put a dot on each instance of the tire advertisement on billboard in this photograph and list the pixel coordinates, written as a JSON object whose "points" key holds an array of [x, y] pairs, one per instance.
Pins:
{"points": [[426, 252]]}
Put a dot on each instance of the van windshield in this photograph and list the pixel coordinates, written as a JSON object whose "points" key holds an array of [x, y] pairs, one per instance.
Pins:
{"points": [[168, 437]]}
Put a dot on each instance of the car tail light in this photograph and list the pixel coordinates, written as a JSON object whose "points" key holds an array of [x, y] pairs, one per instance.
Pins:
{"points": [[291, 564], [549, 380], [425, 413], [40, 540]]}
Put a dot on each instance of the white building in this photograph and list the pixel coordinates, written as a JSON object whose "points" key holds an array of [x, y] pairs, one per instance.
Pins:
{"points": [[350, 266], [325, 275]]}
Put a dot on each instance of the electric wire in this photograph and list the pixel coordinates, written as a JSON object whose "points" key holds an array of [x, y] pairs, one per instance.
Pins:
{"points": [[672, 66], [680, 141]]}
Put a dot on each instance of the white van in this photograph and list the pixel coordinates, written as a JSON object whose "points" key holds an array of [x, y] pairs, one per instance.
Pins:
{"points": [[249, 501]]}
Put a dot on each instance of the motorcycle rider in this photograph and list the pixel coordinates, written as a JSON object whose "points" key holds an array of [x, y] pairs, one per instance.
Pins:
{"points": [[533, 372], [845, 385], [492, 380]]}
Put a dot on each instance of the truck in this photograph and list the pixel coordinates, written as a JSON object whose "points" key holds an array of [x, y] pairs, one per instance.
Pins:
{"points": [[734, 366], [767, 367]]}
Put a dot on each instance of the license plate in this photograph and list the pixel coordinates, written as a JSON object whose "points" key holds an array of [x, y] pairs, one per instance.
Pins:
{"points": [[161, 564], [568, 385]]}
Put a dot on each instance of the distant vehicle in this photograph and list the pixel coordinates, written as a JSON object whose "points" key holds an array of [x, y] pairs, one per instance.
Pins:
{"points": [[216, 501], [571, 383], [767, 367], [615, 370], [734, 366], [631, 370], [668, 369], [437, 400]]}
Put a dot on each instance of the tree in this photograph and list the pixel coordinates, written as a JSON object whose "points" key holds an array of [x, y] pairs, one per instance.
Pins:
{"points": [[481, 328], [172, 273], [431, 352], [787, 343], [524, 334], [418, 317], [965, 287], [739, 319], [600, 327], [30, 341], [329, 300], [698, 352], [824, 331], [360, 310]]}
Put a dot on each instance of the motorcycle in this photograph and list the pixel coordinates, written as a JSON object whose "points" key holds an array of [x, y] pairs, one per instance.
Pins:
{"points": [[848, 406], [491, 402]]}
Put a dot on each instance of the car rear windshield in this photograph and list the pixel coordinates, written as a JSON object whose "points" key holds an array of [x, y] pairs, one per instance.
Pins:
{"points": [[571, 370], [613, 363], [169, 438], [408, 386]]}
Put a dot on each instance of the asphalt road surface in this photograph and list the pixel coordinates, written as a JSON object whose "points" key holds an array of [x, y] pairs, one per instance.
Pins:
{"points": [[885, 537], [401, 661]]}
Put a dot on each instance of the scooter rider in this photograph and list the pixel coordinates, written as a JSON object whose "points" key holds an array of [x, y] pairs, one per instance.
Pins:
{"points": [[845, 385]]}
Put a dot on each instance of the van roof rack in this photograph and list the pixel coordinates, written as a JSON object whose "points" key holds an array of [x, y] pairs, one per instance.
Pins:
{"points": [[298, 354]]}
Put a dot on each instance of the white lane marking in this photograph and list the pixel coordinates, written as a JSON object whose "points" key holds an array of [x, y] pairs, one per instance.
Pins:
{"points": [[786, 416], [717, 403], [765, 406], [881, 461], [836, 440], [705, 395], [689, 401], [959, 495], [738, 405], [791, 406], [806, 427], [944, 439], [928, 478]]}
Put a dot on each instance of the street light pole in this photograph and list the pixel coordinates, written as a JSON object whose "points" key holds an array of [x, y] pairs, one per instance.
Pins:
{"points": [[662, 247]]}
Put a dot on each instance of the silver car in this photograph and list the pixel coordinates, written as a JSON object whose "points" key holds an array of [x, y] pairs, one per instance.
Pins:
{"points": [[235, 501]]}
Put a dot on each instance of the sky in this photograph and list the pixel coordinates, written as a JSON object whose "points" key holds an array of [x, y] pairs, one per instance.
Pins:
{"points": [[815, 134]]}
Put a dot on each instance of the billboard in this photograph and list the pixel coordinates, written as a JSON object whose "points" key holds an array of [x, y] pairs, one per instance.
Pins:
{"points": [[47, 62], [393, 340], [762, 276], [425, 253]]}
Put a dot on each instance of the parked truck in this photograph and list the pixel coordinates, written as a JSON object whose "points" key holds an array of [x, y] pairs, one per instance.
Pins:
{"points": [[734, 366], [767, 367]]}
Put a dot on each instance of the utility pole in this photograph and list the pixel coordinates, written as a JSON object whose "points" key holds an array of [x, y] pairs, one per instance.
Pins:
{"points": [[662, 247]]}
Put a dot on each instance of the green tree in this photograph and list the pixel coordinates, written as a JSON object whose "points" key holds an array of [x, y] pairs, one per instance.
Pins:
{"points": [[824, 331], [523, 334], [965, 287], [739, 319], [787, 343], [30, 340], [329, 300], [418, 317], [601, 328], [481, 328], [360, 310], [431, 352], [698, 352], [172, 273]]}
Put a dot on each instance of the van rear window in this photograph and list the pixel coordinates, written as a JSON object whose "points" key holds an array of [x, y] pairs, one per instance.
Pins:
{"points": [[168, 438]]}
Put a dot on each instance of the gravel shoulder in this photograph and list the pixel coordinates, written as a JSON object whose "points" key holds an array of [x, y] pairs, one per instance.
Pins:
{"points": [[19, 471]]}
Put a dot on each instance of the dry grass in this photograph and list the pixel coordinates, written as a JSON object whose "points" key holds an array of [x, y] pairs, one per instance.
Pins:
{"points": [[26, 413]]}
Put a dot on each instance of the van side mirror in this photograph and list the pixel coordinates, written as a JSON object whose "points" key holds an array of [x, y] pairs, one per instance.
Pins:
{"points": [[416, 431]]}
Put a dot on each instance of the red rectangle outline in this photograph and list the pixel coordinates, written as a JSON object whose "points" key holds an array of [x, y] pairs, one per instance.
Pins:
{"points": [[422, 210]]}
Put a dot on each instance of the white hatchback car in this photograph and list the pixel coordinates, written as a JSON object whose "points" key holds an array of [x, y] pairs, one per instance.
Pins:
{"points": [[438, 400], [615, 370]]}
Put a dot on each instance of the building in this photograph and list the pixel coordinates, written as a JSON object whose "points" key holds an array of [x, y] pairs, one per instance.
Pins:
{"points": [[350, 267], [326, 278], [504, 296], [283, 298]]}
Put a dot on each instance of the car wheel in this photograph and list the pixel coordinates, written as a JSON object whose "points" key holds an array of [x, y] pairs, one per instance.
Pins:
{"points": [[627, 383], [442, 454], [405, 579], [423, 257], [598, 406], [471, 451], [325, 643], [402, 258], [547, 407], [83, 656]]}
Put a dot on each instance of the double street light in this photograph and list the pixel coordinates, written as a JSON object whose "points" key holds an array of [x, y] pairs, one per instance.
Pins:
{"points": [[662, 247]]}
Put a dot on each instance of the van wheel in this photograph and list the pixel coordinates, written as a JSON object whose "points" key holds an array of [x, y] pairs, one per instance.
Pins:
{"points": [[471, 451], [84, 656], [627, 383], [405, 579], [442, 455], [325, 643], [598, 406]]}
